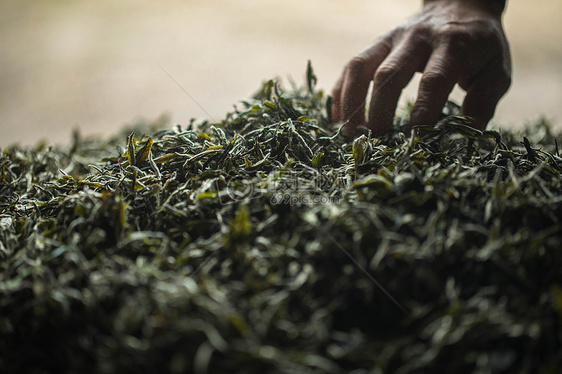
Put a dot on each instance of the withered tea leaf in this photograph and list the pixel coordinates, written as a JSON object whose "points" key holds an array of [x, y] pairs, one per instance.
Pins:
{"points": [[269, 243]]}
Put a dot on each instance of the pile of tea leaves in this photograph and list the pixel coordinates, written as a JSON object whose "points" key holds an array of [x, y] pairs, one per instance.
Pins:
{"points": [[268, 243]]}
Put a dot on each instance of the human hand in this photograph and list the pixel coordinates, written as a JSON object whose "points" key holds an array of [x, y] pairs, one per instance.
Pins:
{"points": [[450, 42]]}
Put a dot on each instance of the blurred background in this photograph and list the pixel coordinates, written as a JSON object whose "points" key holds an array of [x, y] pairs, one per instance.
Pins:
{"points": [[98, 65]]}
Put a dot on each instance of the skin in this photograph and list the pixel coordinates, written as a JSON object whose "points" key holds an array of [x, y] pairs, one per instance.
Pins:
{"points": [[450, 42]]}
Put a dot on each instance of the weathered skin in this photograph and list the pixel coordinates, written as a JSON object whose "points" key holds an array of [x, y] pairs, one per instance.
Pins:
{"points": [[450, 42]]}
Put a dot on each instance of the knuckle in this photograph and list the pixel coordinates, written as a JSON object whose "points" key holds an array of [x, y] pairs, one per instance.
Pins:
{"points": [[384, 73], [458, 42], [386, 40], [357, 66], [489, 31], [434, 79], [423, 29], [477, 32], [453, 33], [420, 33]]}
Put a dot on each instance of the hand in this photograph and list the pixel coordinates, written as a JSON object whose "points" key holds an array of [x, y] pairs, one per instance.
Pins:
{"points": [[449, 41]]}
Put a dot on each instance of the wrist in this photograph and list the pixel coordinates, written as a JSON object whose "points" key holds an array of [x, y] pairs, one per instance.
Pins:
{"points": [[496, 7]]}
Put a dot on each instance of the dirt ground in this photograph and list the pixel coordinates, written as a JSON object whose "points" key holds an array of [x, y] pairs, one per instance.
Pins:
{"points": [[98, 65]]}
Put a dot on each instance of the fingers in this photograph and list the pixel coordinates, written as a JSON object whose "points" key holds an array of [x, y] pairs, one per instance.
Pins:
{"points": [[484, 93], [390, 79], [356, 84], [336, 100], [447, 50], [439, 78], [351, 90]]}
